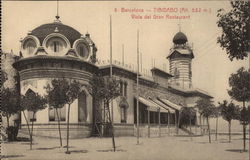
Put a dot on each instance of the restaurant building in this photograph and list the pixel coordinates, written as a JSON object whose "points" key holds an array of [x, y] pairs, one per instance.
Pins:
{"points": [[55, 50]]}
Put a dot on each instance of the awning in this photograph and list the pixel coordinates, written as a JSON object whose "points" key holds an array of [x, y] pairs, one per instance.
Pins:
{"points": [[151, 106], [170, 104], [163, 109], [164, 106]]}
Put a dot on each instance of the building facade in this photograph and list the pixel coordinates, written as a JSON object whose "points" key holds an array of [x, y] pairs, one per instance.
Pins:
{"points": [[55, 51]]}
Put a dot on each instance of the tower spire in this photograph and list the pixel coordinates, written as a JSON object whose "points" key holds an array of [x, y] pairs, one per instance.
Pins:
{"points": [[179, 24], [57, 12]]}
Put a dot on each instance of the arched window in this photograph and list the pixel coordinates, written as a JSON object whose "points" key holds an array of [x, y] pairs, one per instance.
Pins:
{"points": [[82, 107], [123, 114], [121, 88], [125, 89], [82, 50], [29, 46], [56, 44], [31, 117], [123, 109]]}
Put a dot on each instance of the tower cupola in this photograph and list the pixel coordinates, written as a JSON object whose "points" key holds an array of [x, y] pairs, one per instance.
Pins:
{"points": [[180, 38], [180, 60]]}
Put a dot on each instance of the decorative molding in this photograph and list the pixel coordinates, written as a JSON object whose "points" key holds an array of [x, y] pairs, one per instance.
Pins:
{"points": [[54, 73]]}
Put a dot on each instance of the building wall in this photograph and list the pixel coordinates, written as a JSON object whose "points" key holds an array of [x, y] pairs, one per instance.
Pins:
{"points": [[183, 66], [42, 123], [130, 100], [191, 101], [162, 81], [144, 91]]}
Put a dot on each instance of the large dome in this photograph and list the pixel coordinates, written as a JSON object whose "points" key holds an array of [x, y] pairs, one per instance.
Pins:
{"points": [[180, 38], [44, 30]]}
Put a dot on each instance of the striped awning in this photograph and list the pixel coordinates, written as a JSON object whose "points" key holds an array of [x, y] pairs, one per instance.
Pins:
{"points": [[166, 107], [152, 106], [170, 104]]}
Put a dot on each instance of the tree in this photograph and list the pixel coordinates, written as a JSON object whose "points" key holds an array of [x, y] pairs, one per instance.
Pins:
{"points": [[71, 90], [206, 109], [32, 102], [240, 91], [229, 112], [105, 89], [235, 29], [187, 115], [10, 103], [56, 97], [217, 114], [4, 77], [22, 109]]}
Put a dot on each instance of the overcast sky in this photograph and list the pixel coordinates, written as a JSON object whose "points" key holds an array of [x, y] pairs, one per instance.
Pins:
{"points": [[211, 67]]}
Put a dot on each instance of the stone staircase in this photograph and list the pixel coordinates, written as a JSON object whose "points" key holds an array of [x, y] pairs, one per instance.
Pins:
{"points": [[195, 131]]}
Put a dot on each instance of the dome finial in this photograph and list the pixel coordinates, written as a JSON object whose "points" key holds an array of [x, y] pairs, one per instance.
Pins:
{"points": [[57, 12], [87, 34], [179, 24]]}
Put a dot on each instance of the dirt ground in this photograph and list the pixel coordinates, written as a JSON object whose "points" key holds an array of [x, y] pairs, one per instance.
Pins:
{"points": [[164, 148]]}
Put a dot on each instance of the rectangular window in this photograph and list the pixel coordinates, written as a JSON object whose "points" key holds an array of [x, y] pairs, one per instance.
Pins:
{"points": [[30, 115], [51, 114], [61, 114]]}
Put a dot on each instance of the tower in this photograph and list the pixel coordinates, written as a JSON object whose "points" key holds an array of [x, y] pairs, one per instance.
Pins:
{"points": [[180, 61]]}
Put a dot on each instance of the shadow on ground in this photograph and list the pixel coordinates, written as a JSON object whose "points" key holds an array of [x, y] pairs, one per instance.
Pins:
{"points": [[23, 139], [69, 147], [187, 135], [203, 142], [186, 140], [11, 156], [236, 150], [49, 148], [18, 139], [28, 143], [111, 150], [224, 141], [79, 151]]}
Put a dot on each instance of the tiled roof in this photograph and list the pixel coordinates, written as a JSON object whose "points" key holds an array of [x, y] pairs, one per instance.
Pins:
{"points": [[42, 31]]}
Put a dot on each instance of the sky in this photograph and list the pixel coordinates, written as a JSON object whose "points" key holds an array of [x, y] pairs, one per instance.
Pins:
{"points": [[211, 67]]}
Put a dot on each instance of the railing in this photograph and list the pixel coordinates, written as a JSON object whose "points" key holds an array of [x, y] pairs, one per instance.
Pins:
{"points": [[145, 73]]}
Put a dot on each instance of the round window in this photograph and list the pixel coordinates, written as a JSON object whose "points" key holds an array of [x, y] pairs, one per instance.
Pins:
{"points": [[29, 46], [56, 45], [82, 50]]}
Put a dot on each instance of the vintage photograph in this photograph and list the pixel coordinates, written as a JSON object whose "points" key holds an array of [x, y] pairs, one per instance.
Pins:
{"points": [[127, 80]]}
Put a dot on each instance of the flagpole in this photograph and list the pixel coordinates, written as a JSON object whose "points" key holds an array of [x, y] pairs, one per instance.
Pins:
{"points": [[111, 69], [122, 54], [137, 90], [112, 111]]}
